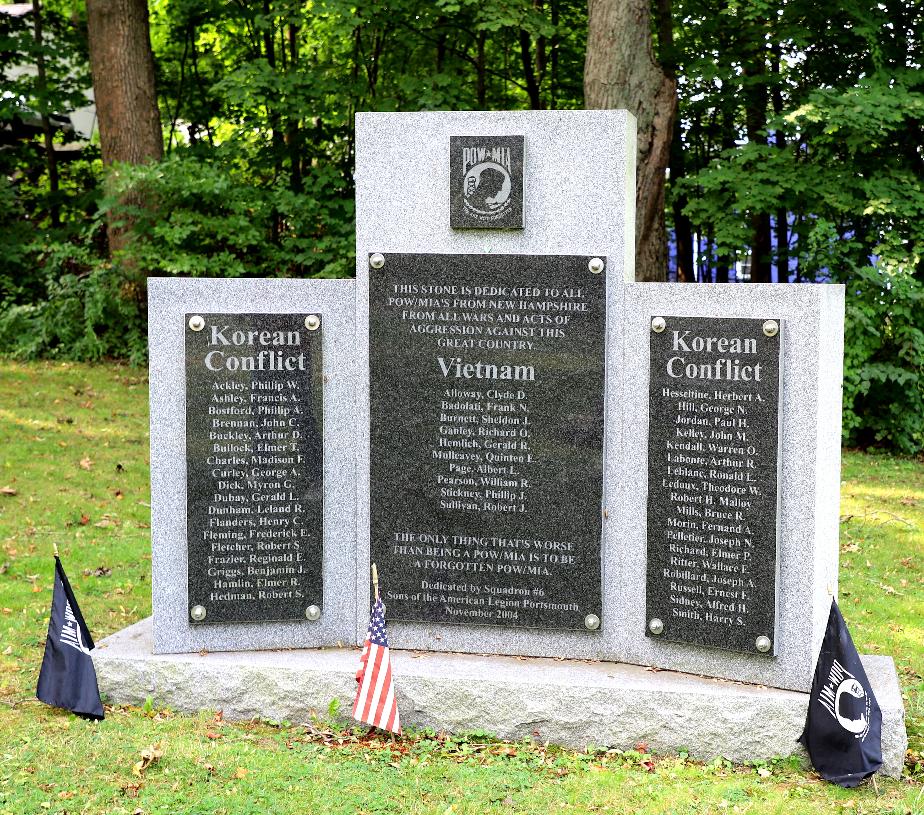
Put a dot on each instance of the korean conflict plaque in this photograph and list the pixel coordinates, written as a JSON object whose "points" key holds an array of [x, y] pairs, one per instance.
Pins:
{"points": [[253, 463], [486, 387], [712, 481]]}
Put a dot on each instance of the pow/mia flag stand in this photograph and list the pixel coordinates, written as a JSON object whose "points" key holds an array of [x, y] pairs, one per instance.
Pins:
{"points": [[843, 729], [68, 678]]}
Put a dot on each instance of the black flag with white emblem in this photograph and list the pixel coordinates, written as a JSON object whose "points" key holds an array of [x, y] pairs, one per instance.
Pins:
{"points": [[843, 729], [68, 678]]}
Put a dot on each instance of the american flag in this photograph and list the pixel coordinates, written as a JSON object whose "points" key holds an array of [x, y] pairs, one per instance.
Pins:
{"points": [[375, 698]]}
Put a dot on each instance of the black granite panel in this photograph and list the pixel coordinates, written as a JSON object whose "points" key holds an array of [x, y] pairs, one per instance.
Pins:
{"points": [[486, 182], [254, 467], [486, 377], [713, 441]]}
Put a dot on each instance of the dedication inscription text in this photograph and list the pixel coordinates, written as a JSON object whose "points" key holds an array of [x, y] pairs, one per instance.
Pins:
{"points": [[486, 385], [254, 466]]}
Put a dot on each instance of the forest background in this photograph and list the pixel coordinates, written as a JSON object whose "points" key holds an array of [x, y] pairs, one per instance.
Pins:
{"points": [[779, 140]]}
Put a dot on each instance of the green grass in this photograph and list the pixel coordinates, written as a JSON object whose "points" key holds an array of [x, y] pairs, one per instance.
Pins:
{"points": [[74, 448]]}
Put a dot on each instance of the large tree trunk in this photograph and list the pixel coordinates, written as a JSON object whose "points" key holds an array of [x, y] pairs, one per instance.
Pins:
{"points": [[51, 160], [123, 84], [620, 71], [755, 114], [683, 228]]}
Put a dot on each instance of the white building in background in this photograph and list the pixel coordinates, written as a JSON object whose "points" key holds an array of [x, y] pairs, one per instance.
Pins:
{"points": [[81, 121]]}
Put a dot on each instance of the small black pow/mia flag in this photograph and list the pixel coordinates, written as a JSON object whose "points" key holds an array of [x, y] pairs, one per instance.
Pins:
{"points": [[843, 729], [68, 678]]}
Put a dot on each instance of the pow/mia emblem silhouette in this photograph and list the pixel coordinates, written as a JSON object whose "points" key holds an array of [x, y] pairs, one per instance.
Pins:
{"points": [[486, 182]]}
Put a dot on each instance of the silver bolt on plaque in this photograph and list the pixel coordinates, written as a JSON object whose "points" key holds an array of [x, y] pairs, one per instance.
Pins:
{"points": [[658, 324], [197, 612], [377, 261], [313, 613], [312, 322], [196, 323], [591, 622], [771, 328], [596, 265], [763, 644], [655, 626]]}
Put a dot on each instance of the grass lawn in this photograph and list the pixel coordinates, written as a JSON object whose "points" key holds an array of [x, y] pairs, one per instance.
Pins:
{"points": [[74, 471]]}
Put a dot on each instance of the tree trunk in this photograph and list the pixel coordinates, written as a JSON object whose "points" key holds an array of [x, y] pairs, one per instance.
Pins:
{"points": [[529, 74], [756, 122], [683, 228], [481, 82], [51, 160], [620, 71], [123, 83], [782, 216]]}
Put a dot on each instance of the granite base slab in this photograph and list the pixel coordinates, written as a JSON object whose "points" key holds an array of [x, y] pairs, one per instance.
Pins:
{"points": [[572, 703]]}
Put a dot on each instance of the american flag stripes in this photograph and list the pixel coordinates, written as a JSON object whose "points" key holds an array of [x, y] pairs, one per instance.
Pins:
{"points": [[375, 697]]}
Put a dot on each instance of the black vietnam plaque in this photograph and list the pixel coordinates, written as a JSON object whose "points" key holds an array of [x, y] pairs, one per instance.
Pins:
{"points": [[486, 384], [254, 467], [713, 443]]}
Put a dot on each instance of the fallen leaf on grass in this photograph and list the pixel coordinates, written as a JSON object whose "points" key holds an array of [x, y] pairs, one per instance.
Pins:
{"points": [[86, 463], [149, 755], [850, 547], [84, 520], [107, 521], [7, 491], [131, 790], [101, 571], [211, 735], [8, 650], [240, 772]]}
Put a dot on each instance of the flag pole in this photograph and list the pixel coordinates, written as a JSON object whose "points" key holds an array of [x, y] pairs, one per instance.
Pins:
{"points": [[55, 547], [375, 581]]}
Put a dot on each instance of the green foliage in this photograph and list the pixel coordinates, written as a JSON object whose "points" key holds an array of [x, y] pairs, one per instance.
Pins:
{"points": [[851, 180], [202, 218], [83, 316], [884, 361]]}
